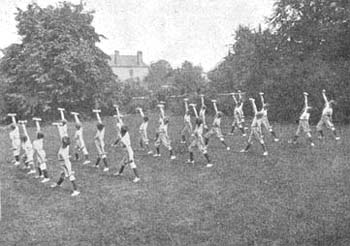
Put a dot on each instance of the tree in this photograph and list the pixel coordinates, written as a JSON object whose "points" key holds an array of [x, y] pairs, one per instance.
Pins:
{"points": [[57, 62], [188, 79], [160, 73]]}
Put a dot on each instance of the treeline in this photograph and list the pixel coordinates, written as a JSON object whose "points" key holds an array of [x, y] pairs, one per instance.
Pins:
{"points": [[306, 47]]}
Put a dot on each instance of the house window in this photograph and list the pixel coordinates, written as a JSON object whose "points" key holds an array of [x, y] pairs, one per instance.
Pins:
{"points": [[131, 73]]}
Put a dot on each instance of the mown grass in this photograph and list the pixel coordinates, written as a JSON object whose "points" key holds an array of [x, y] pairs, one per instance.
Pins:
{"points": [[298, 195]]}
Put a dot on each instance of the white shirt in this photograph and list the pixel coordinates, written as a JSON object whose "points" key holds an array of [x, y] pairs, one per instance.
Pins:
{"points": [[198, 130], [63, 155], [15, 137], [305, 115], [38, 147], [78, 136], [100, 135], [143, 126], [63, 131], [327, 111], [163, 128], [217, 122], [187, 118], [126, 143], [28, 148]]}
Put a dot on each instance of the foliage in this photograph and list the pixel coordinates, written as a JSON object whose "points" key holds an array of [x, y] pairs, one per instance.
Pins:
{"points": [[305, 48], [57, 62]]}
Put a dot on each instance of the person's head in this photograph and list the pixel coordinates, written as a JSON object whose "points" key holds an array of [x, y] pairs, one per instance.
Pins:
{"points": [[199, 121], [331, 103], [145, 119], [187, 112], [100, 126], [166, 120], [78, 126], [24, 139], [220, 114], [123, 130], [204, 107], [65, 141], [12, 126], [40, 135], [63, 122]]}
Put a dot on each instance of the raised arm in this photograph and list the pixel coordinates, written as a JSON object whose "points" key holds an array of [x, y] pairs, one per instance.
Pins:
{"points": [[254, 105], [324, 96], [37, 123], [61, 113], [13, 118], [240, 96], [202, 100], [97, 112], [215, 107], [161, 108], [194, 109], [141, 112], [117, 110], [23, 123], [306, 100], [234, 98], [262, 98], [76, 117], [186, 104]]}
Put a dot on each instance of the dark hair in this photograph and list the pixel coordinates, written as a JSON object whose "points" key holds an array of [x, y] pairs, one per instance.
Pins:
{"points": [[123, 130], [40, 135], [65, 141], [100, 126], [78, 126], [199, 121], [24, 139], [145, 118]]}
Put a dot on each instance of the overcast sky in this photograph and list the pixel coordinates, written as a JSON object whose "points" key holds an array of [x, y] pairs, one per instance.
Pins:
{"points": [[199, 31]]}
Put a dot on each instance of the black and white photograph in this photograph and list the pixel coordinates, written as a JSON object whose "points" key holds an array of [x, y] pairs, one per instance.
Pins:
{"points": [[175, 122]]}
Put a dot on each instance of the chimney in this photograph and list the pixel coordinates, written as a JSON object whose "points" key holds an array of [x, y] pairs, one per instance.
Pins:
{"points": [[139, 58], [116, 57]]}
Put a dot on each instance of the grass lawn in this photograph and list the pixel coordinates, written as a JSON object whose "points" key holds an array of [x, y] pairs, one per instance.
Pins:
{"points": [[297, 195]]}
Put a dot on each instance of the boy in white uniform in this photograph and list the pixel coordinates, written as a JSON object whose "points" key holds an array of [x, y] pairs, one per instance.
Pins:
{"points": [[256, 129], [162, 134], [118, 121], [304, 122], [79, 140], [38, 146], [28, 149], [202, 112], [128, 159], [198, 142], [265, 120], [144, 141], [238, 117], [15, 139], [63, 157], [326, 118], [187, 123], [100, 143], [216, 128]]}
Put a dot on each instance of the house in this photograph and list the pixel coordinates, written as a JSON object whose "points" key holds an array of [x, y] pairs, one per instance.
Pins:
{"points": [[128, 66]]}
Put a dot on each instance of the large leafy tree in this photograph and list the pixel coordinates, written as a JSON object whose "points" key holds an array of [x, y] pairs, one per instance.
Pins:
{"points": [[305, 48], [57, 62], [160, 73]]}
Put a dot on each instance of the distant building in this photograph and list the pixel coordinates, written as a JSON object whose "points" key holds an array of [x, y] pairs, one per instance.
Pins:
{"points": [[128, 66]]}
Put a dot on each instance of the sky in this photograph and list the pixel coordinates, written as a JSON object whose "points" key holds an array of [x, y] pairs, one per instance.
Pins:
{"points": [[199, 31]]}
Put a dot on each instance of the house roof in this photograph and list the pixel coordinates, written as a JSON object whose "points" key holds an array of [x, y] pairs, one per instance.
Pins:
{"points": [[126, 61]]}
